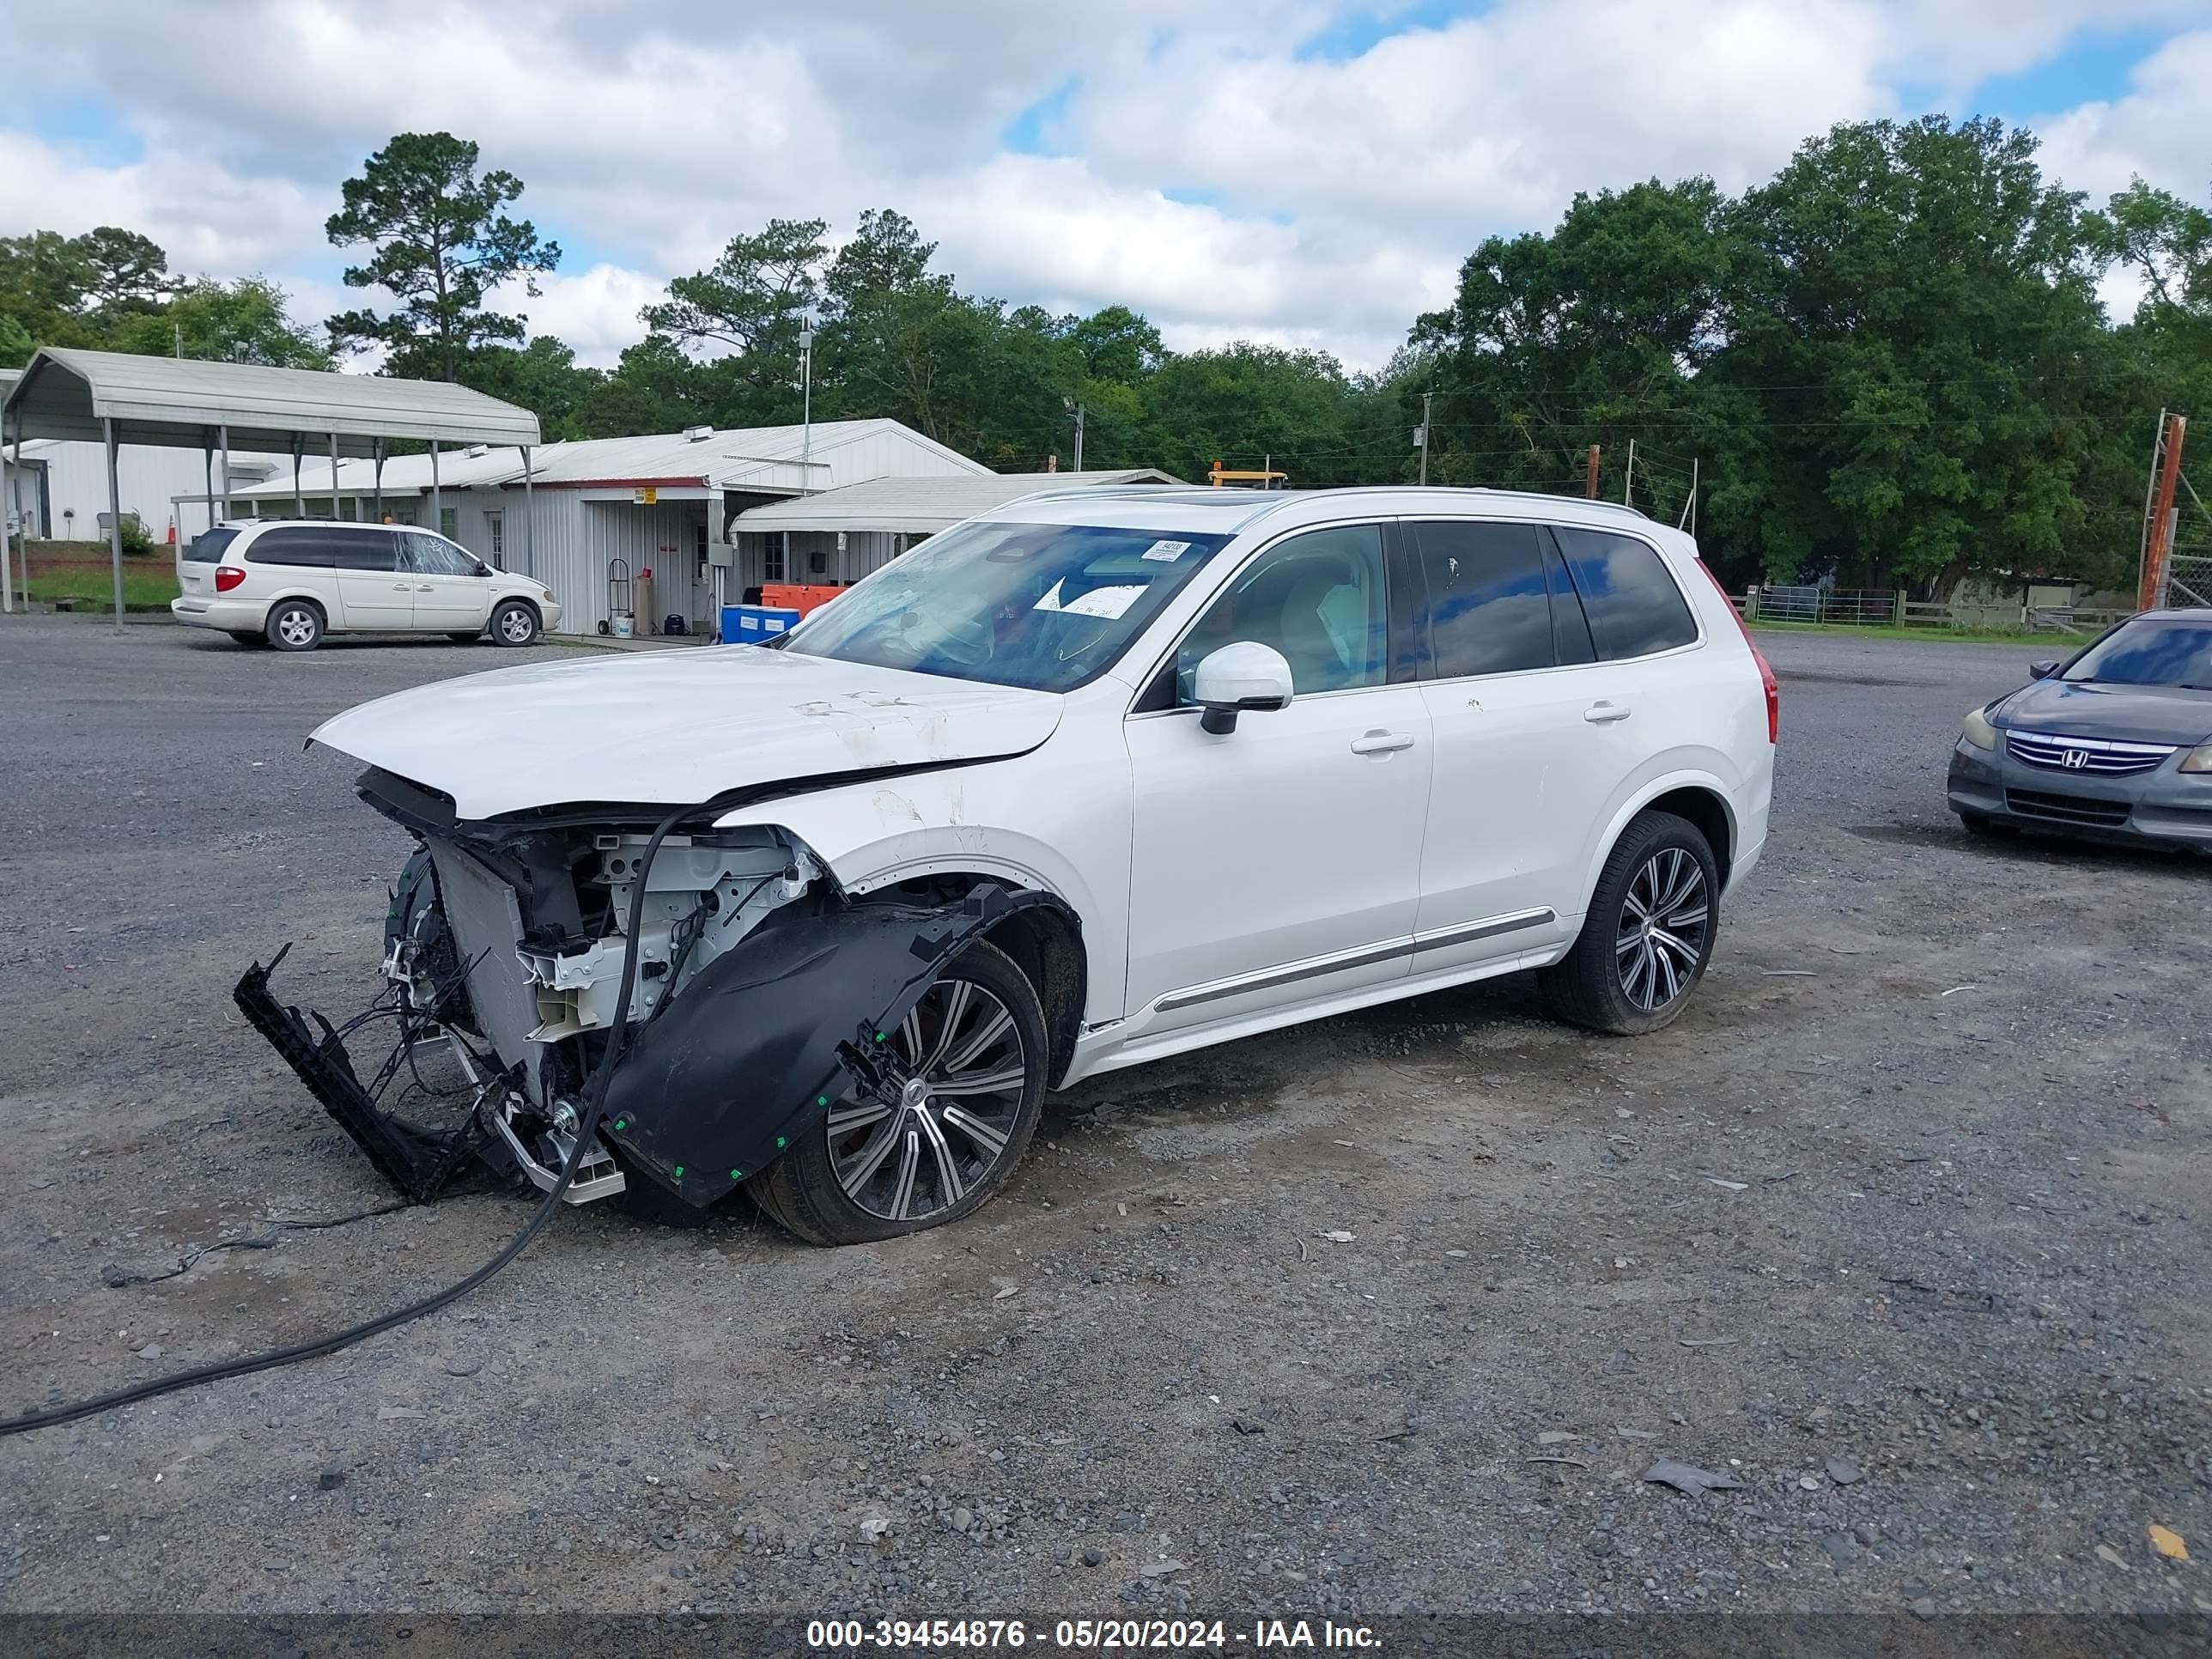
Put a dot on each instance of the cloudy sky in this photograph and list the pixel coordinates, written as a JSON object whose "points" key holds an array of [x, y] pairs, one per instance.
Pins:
{"points": [[1300, 171]]}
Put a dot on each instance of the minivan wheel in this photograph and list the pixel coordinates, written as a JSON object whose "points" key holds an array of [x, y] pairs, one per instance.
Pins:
{"points": [[515, 624], [1649, 934], [295, 625], [973, 1056]]}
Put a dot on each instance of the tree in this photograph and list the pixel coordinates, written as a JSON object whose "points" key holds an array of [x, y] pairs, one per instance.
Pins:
{"points": [[543, 377], [1916, 318], [440, 246], [750, 306], [247, 321], [1244, 404], [124, 274]]}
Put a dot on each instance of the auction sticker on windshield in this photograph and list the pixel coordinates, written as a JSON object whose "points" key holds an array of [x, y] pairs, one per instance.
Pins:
{"points": [[1166, 552], [1108, 602]]}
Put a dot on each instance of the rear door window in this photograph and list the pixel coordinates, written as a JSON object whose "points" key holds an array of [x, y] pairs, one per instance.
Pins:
{"points": [[291, 545], [207, 547], [364, 549], [1627, 593], [1487, 607]]}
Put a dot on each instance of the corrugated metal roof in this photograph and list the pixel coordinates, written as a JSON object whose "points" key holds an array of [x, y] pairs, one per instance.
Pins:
{"points": [[925, 505], [764, 458], [66, 394]]}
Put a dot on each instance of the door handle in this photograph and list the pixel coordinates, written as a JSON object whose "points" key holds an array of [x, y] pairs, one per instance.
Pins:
{"points": [[422, 588], [1380, 743], [399, 588], [1604, 714]]}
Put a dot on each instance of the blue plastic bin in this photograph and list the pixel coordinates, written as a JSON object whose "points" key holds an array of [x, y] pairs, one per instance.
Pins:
{"points": [[750, 624]]}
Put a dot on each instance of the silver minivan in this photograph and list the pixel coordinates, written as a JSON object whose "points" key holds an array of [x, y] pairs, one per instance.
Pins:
{"points": [[288, 582]]}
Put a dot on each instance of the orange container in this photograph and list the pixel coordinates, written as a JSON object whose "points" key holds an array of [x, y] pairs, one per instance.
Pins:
{"points": [[801, 597]]}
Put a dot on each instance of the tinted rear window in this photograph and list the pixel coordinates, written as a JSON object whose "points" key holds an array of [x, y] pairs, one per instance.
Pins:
{"points": [[1486, 610], [1630, 599], [207, 547], [325, 546], [289, 546]]}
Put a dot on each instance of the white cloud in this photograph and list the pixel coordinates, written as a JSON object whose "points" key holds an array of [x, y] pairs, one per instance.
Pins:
{"points": [[1334, 197], [2157, 130]]}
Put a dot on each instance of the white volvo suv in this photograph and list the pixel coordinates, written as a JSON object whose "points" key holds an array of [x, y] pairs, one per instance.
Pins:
{"points": [[288, 582], [1103, 775]]}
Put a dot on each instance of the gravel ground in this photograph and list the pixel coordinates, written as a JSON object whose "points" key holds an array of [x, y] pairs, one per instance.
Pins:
{"points": [[1904, 1226]]}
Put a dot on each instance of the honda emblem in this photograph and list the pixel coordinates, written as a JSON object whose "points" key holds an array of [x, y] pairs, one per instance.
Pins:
{"points": [[2076, 759]]}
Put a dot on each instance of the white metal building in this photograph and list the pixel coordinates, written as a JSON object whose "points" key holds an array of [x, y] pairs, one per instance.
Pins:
{"points": [[664, 503]]}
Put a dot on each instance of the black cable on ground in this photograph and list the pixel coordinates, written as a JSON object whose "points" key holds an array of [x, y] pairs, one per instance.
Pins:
{"points": [[117, 1278], [587, 1127]]}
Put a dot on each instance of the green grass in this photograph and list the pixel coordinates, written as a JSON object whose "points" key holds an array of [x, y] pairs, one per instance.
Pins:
{"points": [[1939, 635], [91, 589]]}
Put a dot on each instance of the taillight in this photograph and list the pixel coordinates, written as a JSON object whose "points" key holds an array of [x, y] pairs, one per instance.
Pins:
{"points": [[228, 576], [1773, 686]]}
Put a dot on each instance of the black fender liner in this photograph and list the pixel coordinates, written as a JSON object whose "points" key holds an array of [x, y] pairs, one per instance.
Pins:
{"points": [[769, 1033]]}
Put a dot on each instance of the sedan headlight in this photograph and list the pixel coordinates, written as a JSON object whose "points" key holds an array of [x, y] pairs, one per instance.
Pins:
{"points": [[1979, 732], [2198, 759]]}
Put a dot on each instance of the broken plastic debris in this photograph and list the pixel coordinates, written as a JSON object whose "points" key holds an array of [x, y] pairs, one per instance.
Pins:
{"points": [[1339, 1237], [2106, 1552], [2168, 1542], [1684, 1478], [1733, 1186]]}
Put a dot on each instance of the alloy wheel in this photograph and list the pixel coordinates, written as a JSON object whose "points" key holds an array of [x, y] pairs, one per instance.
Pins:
{"points": [[961, 1069], [1665, 917], [296, 627], [517, 626]]}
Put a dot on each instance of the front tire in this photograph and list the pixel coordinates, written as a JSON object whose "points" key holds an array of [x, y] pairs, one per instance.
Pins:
{"points": [[295, 625], [1649, 934], [515, 624], [975, 1051]]}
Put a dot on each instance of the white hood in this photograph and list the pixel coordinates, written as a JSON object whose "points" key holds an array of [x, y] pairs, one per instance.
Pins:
{"points": [[677, 727]]}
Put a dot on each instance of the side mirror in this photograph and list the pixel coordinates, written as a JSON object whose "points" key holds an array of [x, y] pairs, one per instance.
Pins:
{"points": [[2042, 671], [1236, 677], [483, 569]]}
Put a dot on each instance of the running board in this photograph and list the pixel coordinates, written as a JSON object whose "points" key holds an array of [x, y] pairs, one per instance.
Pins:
{"points": [[419, 1165]]}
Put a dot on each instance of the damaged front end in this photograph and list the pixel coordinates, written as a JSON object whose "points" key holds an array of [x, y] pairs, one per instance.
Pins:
{"points": [[763, 993]]}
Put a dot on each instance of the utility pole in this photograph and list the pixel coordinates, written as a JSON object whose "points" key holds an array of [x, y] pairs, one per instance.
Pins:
{"points": [[2158, 522], [1076, 409], [1421, 438], [1629, 483], [1590, 477], [805, 404]]}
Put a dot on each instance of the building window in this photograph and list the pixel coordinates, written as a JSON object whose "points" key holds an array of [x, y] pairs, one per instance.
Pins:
{"points": [[772, 563], [449, 523], [495, 538]]}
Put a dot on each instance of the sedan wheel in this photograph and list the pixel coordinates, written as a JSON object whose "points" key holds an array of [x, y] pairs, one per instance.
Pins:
{"points": [[967, 1072]]}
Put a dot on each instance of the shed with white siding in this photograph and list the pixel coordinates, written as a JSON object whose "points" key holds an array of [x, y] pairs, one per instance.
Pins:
{"points": [[664, 503]]}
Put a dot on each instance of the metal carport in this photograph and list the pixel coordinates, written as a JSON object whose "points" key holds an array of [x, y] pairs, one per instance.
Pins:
{"points": [[114, 398]]}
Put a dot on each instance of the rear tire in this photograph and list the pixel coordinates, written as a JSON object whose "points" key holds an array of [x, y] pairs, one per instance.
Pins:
{"points": [[870, 1171], [1649, 934], [515, 623], [295, 625]]}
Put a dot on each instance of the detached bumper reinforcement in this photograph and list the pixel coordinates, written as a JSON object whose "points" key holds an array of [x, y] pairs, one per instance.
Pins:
{"points": [[419, 1163]]}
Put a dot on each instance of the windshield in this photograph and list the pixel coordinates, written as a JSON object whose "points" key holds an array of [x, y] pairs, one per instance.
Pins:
{"points": [[1045, 606], [207, 546], [2155, 651]]}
